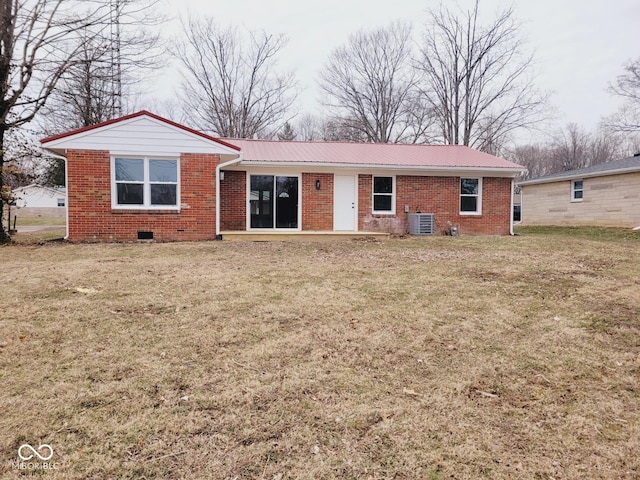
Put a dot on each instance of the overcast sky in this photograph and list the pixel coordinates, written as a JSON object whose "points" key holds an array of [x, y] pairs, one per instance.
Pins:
{"points": [[579, 45]]}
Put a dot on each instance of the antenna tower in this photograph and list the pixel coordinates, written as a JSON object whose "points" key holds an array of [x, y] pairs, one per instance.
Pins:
{"points": [[116, 60]]}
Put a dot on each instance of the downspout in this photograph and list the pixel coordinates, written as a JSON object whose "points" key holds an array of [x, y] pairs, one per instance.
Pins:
{"points": [[220, 166], [513, 182], [66, 186]]}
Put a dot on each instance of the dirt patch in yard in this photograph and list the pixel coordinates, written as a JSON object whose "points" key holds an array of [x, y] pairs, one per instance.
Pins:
{"points": [[408, 358]]}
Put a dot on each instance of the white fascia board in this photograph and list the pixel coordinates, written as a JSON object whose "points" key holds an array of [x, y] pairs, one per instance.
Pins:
{"points": [[398, 169]]}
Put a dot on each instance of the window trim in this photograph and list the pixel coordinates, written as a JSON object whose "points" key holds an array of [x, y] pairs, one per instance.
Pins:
{"points": [[146, 192], [392, 195], [574, 190], [478, 210]]}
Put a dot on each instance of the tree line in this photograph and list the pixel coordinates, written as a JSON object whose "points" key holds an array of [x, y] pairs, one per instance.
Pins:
{"points": [[66, 64]]}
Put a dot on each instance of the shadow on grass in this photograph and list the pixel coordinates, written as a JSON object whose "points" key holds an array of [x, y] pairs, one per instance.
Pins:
{"points": [[40, 237]]}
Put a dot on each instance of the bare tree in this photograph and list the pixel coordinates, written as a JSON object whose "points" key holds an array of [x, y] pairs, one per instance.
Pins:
{"points": [[570, 148], [37, 46], [231, 82], [573, 147], [627, 86], [343, 130], [477, 78], [25, 162], [370, 86], [309, 128], [102, 82], [535, 157]]}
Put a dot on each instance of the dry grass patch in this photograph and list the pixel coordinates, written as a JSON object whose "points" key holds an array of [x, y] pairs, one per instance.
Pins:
{"points": [[409, 358], [39, 220]]}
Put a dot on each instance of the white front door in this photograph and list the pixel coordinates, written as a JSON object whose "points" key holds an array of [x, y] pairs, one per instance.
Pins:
{"points": [[344, 202]]}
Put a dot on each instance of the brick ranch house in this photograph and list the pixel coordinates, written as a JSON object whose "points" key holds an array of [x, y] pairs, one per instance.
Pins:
{"points": [[142, 176]]}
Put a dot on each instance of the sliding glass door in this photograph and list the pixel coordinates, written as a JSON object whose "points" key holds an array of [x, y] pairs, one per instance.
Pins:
{"points": [[273, 201]]}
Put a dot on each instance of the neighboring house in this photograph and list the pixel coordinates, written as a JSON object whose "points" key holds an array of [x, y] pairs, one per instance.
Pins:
{"points": [[37, 200], [145, 177], [606, 194]]}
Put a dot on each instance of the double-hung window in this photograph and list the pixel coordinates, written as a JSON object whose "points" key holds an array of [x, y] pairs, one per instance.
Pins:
{"points": [[383, 195], [577, 190], [145, 183], [470, 196]]}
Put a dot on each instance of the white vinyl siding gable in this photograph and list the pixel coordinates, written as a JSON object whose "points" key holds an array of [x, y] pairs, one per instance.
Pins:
{"points": [[140, 136]]}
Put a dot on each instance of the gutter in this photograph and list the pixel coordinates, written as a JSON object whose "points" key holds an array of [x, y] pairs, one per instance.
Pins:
{"points": [[219, 167], [406, 169]]}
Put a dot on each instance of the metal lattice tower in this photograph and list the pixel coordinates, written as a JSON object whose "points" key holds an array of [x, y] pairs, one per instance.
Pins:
{"points": [[116, 60]]}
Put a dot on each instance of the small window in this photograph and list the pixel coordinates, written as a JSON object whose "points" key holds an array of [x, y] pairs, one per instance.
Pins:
{"points": [[383, 195], [470, 197], [61, 202], [145, 183], [577, 190]]}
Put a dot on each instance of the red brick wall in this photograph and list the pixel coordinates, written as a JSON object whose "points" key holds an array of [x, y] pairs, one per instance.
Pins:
{"points": [[233, 204], [440, 196], [317, 205], [91, 217], [366, 220]]}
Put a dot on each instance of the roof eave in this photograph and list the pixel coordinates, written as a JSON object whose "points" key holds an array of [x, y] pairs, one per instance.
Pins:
{"points": [[512, 171], [564, 178]]}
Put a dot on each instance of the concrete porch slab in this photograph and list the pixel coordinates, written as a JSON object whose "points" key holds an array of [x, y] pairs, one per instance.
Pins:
{"points": [[272, 236]]}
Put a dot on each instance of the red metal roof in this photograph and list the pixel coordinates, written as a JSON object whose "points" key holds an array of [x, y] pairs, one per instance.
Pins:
{"points": [[374, 154], [141, 113], [337, 153]]}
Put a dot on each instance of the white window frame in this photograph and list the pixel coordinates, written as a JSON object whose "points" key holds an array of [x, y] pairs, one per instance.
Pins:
{"points": [[146, 193], [574, 190], [478, 210], [392, 195]]}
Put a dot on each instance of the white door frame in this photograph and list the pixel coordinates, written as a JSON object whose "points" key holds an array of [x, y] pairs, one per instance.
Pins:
{"points": [[350, 196], [274, 174]]}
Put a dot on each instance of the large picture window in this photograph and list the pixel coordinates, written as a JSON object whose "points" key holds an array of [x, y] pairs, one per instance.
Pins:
{"points": [[383, 195], [470, 196], [145, 183]]}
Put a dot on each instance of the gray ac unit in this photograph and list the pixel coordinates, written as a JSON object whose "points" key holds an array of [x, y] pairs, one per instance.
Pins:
{"points": [[421, 223]]}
